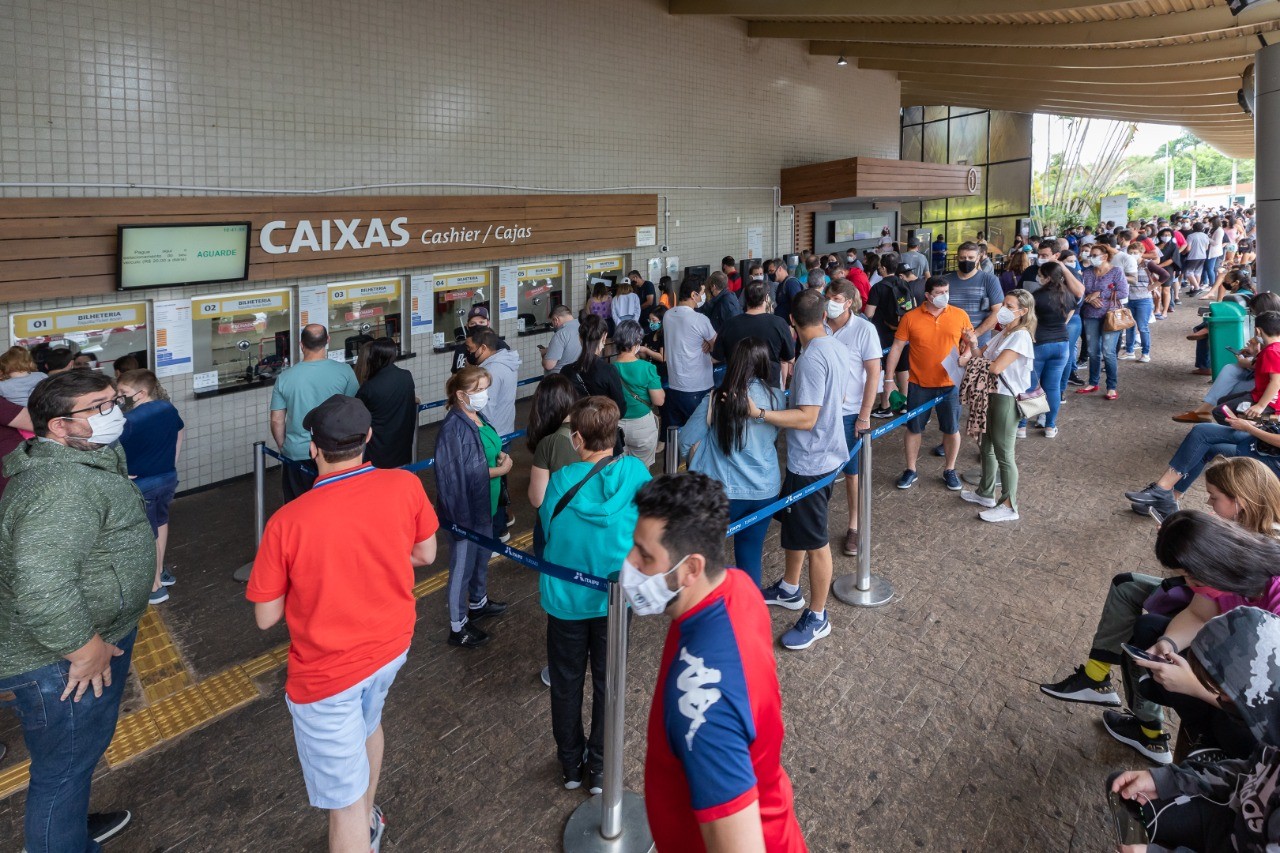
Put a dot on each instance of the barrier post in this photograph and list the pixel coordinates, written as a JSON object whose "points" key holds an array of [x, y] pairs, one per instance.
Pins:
{"points": [[865, 589], [671, 453], [615, 820], [259, 506]]}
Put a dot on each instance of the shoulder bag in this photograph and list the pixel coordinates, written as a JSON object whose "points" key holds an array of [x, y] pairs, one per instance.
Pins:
{"points": [[1118, 317], [1030, 405]]}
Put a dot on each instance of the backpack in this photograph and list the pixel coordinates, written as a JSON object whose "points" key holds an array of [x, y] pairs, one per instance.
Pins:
{"points": [[904, 300]]}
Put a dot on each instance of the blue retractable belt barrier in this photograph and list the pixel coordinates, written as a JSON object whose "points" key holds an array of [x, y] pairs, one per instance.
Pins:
{"points": [[305, 467], [550, 569]]}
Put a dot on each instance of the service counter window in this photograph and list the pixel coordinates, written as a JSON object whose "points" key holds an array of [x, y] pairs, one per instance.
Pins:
{"points": [[607, 270], [355, 312], [538, 288], [454, 294], [103, 332], [240, 340]]}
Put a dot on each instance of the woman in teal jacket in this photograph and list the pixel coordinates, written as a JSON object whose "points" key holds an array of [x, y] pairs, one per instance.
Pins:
{"points": [[589, 531]]}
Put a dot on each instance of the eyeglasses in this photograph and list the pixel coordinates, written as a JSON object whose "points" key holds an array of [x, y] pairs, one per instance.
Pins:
{"points": [[105, 407]]}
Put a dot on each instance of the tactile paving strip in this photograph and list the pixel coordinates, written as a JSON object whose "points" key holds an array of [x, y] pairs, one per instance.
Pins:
{"points": [[14, 778]]}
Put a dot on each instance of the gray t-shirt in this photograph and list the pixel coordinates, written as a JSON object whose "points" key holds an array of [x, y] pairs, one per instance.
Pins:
{"points": [[977, 295], [918, 262], [565, 347], [821, 379], [683, 333]]}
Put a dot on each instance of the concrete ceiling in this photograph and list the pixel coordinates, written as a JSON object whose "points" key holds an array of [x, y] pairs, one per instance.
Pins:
{"points": [[1162, 61]]}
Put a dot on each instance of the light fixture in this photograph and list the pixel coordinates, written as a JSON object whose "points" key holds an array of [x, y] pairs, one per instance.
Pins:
{"points": [[842, 60]]}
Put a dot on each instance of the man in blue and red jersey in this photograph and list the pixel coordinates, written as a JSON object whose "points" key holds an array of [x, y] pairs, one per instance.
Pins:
{"points": [[713, 774]]}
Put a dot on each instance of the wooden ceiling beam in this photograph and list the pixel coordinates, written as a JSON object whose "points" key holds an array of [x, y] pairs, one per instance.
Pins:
{"points": [[1057, 57], [1216, 19], [868, 8], [1076, 109], [1083, 94], [1157, 90], [1039, 71]]}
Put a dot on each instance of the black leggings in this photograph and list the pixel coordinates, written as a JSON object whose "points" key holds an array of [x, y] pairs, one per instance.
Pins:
{"points": [[1200, 825]]}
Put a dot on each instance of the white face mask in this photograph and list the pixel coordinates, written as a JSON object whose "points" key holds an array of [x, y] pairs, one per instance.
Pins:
{"points": [[940, 300], [106, 428], [648, 595], [702, 298], [1005, 316], [477, 400], [834, 309]]}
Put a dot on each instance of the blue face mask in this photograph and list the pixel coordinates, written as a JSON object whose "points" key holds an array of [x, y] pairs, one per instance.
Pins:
{"points": [[654, 325]]}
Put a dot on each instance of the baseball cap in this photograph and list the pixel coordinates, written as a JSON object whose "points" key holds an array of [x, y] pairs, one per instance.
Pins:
{"points": [[478, 311], [339, 423]]}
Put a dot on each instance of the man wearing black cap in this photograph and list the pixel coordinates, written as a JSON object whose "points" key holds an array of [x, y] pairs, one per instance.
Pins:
{"points": [[337, 564], [478, 316]]}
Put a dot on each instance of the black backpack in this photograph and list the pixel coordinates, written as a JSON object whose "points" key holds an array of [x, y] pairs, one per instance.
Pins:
{"points": [[904, 300]]}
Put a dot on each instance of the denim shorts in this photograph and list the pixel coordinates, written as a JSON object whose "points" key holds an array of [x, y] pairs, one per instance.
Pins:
{"points": [[948, 410], [330, 736], [850, 429], [158, 492]]}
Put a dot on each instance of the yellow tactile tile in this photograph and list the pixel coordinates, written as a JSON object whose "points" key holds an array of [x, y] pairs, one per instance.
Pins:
{"points": [[228, 690], [181, 712], [155, 689], [261, 665], [14, 779], [135, 733], [431, 584]]}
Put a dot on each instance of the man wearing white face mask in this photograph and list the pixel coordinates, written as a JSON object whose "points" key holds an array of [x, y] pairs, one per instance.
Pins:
{"points": [[77, 558], [713, 773]]}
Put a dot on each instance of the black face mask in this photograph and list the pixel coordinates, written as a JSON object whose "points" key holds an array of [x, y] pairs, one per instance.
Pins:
{"points": [[966, 266]]}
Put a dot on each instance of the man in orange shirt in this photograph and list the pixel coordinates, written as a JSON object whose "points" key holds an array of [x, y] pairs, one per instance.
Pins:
{"points": [[345, 588], [934, 330]]}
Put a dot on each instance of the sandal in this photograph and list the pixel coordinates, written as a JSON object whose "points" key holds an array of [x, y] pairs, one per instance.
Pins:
{"points": [[1112, 395], [1088, 389]]}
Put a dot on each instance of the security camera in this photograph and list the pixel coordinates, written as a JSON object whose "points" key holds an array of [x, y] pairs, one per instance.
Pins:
{"points": [[663, 249]]}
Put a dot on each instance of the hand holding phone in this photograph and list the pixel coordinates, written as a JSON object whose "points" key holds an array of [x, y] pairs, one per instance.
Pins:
{"points": [[1140, 654]]}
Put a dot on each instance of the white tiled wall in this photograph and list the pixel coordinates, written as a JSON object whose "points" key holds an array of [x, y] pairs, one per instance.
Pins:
{"points": [[557, 94]]}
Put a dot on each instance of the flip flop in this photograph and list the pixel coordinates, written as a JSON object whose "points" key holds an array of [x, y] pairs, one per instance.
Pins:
{"points": [[1088, 389]]}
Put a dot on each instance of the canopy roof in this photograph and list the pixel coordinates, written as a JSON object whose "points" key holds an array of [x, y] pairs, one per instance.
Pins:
{"points": [[1161, 61]]}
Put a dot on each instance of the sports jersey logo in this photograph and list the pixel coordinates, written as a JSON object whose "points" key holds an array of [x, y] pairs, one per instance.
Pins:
{"points": [[695, 696]]}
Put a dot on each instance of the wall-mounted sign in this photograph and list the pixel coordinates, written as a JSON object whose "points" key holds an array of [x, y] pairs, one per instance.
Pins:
{"points": [[160, 255], [422, 319], [606, 264], [172, 337], [646, 235], [105, 332], [240, 339]]}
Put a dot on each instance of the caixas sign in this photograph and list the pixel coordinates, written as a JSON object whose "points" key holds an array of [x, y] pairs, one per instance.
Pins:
{"points": [[280, 237]]}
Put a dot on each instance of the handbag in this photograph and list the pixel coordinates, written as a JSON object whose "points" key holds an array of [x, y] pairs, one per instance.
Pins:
{"points": [[1118, 318], [1030, 405]]}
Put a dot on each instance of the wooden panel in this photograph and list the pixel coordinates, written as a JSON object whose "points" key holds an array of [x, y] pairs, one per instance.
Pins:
{"points": [[871, 178], [54, 247]]}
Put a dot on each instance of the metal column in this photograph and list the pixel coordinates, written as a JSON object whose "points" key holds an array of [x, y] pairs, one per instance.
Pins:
{"points": [[863, 589], [1266, 135], [259, 506]]}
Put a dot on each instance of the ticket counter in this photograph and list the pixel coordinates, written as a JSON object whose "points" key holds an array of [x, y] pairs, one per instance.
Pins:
{"points": [[453, 296], [355, 312], [104, 332], [609, 269], [240, 340], [529, 293]]}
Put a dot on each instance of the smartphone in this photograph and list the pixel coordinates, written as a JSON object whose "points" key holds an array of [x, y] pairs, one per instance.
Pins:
{"points": [[1234, 352], [1140, 654], [1227, 412], [1126, 817], [1154, 513]]}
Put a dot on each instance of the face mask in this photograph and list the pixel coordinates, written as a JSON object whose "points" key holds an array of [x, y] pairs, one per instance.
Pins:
{"points": [[1005, 316], [757, 278], [106, 428], [477, 400], [1096, 260], [648, 595], [702, 299], [966, 267], [654, 325], [940, 300], [1164, 238], [834, 309]]}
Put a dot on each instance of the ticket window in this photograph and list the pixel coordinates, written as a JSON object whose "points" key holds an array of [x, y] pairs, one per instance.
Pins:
{"points": [[240, 340], [607, 270], [359, 312], [541, 287], [454, 294], [103, 332]]}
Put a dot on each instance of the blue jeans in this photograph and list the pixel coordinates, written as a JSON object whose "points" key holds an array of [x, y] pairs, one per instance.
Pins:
{"points": [[680, 405], [1074, 325], [1052, 368], [1232, 379], [1141, 309], [1211, 271], [1202, 444], [65, 739], [748, 544], [1102, 349]]}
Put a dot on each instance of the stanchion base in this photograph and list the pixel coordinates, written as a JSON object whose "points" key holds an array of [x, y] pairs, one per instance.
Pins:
{"points": [[242, 574], [846, 589], [974, 476], [582, 833]]}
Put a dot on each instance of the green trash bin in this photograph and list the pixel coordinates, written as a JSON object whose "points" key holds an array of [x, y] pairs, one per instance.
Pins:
{"points": [[1229, 326]]}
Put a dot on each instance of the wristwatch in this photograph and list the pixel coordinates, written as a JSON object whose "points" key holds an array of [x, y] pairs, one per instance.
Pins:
{"points": [[760, 420]]}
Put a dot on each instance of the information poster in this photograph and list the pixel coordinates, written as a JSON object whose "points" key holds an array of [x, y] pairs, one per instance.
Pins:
{"points": [[654, 270], [508, 295], [173, 337], [755, 242], [646, 235], [422, 320], [105, 332], [673, 268], [313, 305]]}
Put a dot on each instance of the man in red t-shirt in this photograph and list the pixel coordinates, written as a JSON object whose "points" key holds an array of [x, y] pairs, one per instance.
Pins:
{"points": [[337, 564], [1266, 367], [713, 775], [729, 267]]}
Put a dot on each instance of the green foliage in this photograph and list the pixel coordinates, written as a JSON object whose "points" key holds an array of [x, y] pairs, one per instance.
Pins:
{"points": [[1143, 174]]}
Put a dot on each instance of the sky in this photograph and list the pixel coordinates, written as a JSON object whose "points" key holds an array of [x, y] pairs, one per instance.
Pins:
{"points": [[1050, 135]]}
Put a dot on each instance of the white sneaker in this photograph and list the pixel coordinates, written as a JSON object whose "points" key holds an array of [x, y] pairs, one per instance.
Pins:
{"points": [[1050, 432], [1146, 359], [1040, 421], [975, 498], [1000, 513], [1022, 432], [1125, 356]]}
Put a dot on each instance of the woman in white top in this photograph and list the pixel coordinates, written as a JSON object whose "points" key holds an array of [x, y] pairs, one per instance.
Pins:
{"points": [[1011, 352], [625, 305]]}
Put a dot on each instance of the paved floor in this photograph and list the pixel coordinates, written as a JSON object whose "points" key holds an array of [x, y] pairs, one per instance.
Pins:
{"points": [[914, 726]]}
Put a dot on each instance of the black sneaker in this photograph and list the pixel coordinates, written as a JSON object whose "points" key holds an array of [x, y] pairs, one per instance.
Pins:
{"points": [[469, 637], [1149, 495], [940, 450], [104, 825], [595, 782], [1207, 755], [572, 776], [1127, 729], [1075, 380], [882, 413], [1078, 687], [490, 608]]}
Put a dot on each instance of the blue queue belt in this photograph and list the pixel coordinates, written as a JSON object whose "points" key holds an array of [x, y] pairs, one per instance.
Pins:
{"points": [[538, 565]]}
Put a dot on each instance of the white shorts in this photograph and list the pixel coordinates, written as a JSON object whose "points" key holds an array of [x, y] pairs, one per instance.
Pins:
{"points": [[330, 736]]}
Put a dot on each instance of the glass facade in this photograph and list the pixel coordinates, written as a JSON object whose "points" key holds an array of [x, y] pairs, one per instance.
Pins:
{"points": [[998, 145]]}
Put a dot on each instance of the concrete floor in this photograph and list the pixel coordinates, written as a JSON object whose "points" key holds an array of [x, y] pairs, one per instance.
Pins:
{"points": [[913, 726]]}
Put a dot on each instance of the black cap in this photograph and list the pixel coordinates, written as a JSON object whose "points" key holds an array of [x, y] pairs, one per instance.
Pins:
{"points": [[913, 243], [338, 424]]}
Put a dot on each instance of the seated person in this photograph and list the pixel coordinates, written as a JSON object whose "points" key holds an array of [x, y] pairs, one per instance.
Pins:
{"points": [[1233, 378], [1218, 805]]}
